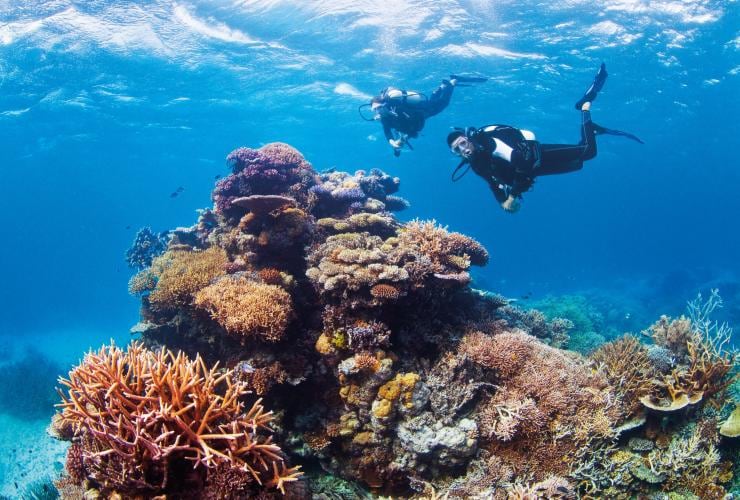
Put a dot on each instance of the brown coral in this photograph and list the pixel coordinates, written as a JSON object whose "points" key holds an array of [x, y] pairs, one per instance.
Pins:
{"points": [[181, 274], [628, 369], [141, 414], [247, 308], [386, 292], [674, 335], [438, 244]]}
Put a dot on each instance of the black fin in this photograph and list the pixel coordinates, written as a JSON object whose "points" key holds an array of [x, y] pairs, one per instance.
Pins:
{"points": [[595, 87], [468, 79], [603, 130]]}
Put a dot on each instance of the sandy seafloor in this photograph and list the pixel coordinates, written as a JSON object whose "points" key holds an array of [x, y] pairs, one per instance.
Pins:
{"points": [[27, 453]]}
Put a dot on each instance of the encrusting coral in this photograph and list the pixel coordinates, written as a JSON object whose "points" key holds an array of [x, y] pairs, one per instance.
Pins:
{"points": [[153, 423], [386, 369]]}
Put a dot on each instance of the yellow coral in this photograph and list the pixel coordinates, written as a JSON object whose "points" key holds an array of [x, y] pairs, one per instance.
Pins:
{"points": [[324, 345], [382, 408], [247, 308], [181, 274], [401, 387]]}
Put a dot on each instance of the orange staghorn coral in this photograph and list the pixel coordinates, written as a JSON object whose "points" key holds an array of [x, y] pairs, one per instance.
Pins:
{"points": [[142, 415], [247, 308], [181, 274]]}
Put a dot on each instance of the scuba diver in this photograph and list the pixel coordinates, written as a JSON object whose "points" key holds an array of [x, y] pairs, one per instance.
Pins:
{"points": [[403, 112], [509, 159]]}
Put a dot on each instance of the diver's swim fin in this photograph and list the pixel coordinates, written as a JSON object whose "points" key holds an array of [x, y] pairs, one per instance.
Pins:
{"points": [[468, 79], [603, 130], [595, 87]]}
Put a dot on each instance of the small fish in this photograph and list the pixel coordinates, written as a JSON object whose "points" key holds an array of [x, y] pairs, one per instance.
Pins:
{"points": [[16, 485], [128, 227], [527, 295], [177, 192], [218, 176]]}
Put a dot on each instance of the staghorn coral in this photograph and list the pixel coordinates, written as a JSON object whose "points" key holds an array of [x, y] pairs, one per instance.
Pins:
{"points": [[141, 415], [703, 365], [574, 406], [180, 274], [247, 308], [628, 368]]}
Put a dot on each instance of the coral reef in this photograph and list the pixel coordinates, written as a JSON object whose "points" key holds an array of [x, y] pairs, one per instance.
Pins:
{"points": [[384, 367]]}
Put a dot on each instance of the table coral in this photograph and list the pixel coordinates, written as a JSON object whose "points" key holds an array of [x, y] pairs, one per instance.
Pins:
{"points": [[141, 416]]}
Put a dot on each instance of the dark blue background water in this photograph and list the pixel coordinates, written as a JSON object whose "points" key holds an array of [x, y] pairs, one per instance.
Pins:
{"points": [[107, 108]]}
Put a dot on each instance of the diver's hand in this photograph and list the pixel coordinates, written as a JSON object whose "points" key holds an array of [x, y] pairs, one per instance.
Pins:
{"points": [[511, 204], [396, 145]]}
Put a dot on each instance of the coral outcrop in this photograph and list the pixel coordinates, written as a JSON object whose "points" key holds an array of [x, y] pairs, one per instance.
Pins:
{"points": [[385, 368]]}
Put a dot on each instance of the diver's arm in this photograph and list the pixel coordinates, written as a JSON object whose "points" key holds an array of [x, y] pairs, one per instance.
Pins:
{"points": [[497, 189], [387, 131]]}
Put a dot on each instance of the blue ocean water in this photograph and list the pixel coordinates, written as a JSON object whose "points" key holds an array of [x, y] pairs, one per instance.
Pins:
{"points": [[108, 107]]}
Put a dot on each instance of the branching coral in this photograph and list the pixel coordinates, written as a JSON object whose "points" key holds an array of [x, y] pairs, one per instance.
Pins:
{"points": [[141, 415], [247, 308], [673, 335], [444, 248], [628, 368], [574, 406], [704, 363], [180, 274], [146, 246]]}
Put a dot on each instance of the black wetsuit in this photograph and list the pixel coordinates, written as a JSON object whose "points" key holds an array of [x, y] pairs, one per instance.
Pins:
{"points": [[509, 163], [407, 117]]}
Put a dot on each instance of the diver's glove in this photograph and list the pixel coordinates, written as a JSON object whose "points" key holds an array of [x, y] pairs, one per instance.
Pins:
{"points": [[511, 204]]}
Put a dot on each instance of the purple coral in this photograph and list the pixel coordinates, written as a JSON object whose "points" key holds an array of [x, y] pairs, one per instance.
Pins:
{"points": [[348, 194], [274, 169]]}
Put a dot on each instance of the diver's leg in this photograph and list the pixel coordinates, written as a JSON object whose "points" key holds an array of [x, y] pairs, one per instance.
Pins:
{"points": [[588, 134], [559, 159], [439, 99]]}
